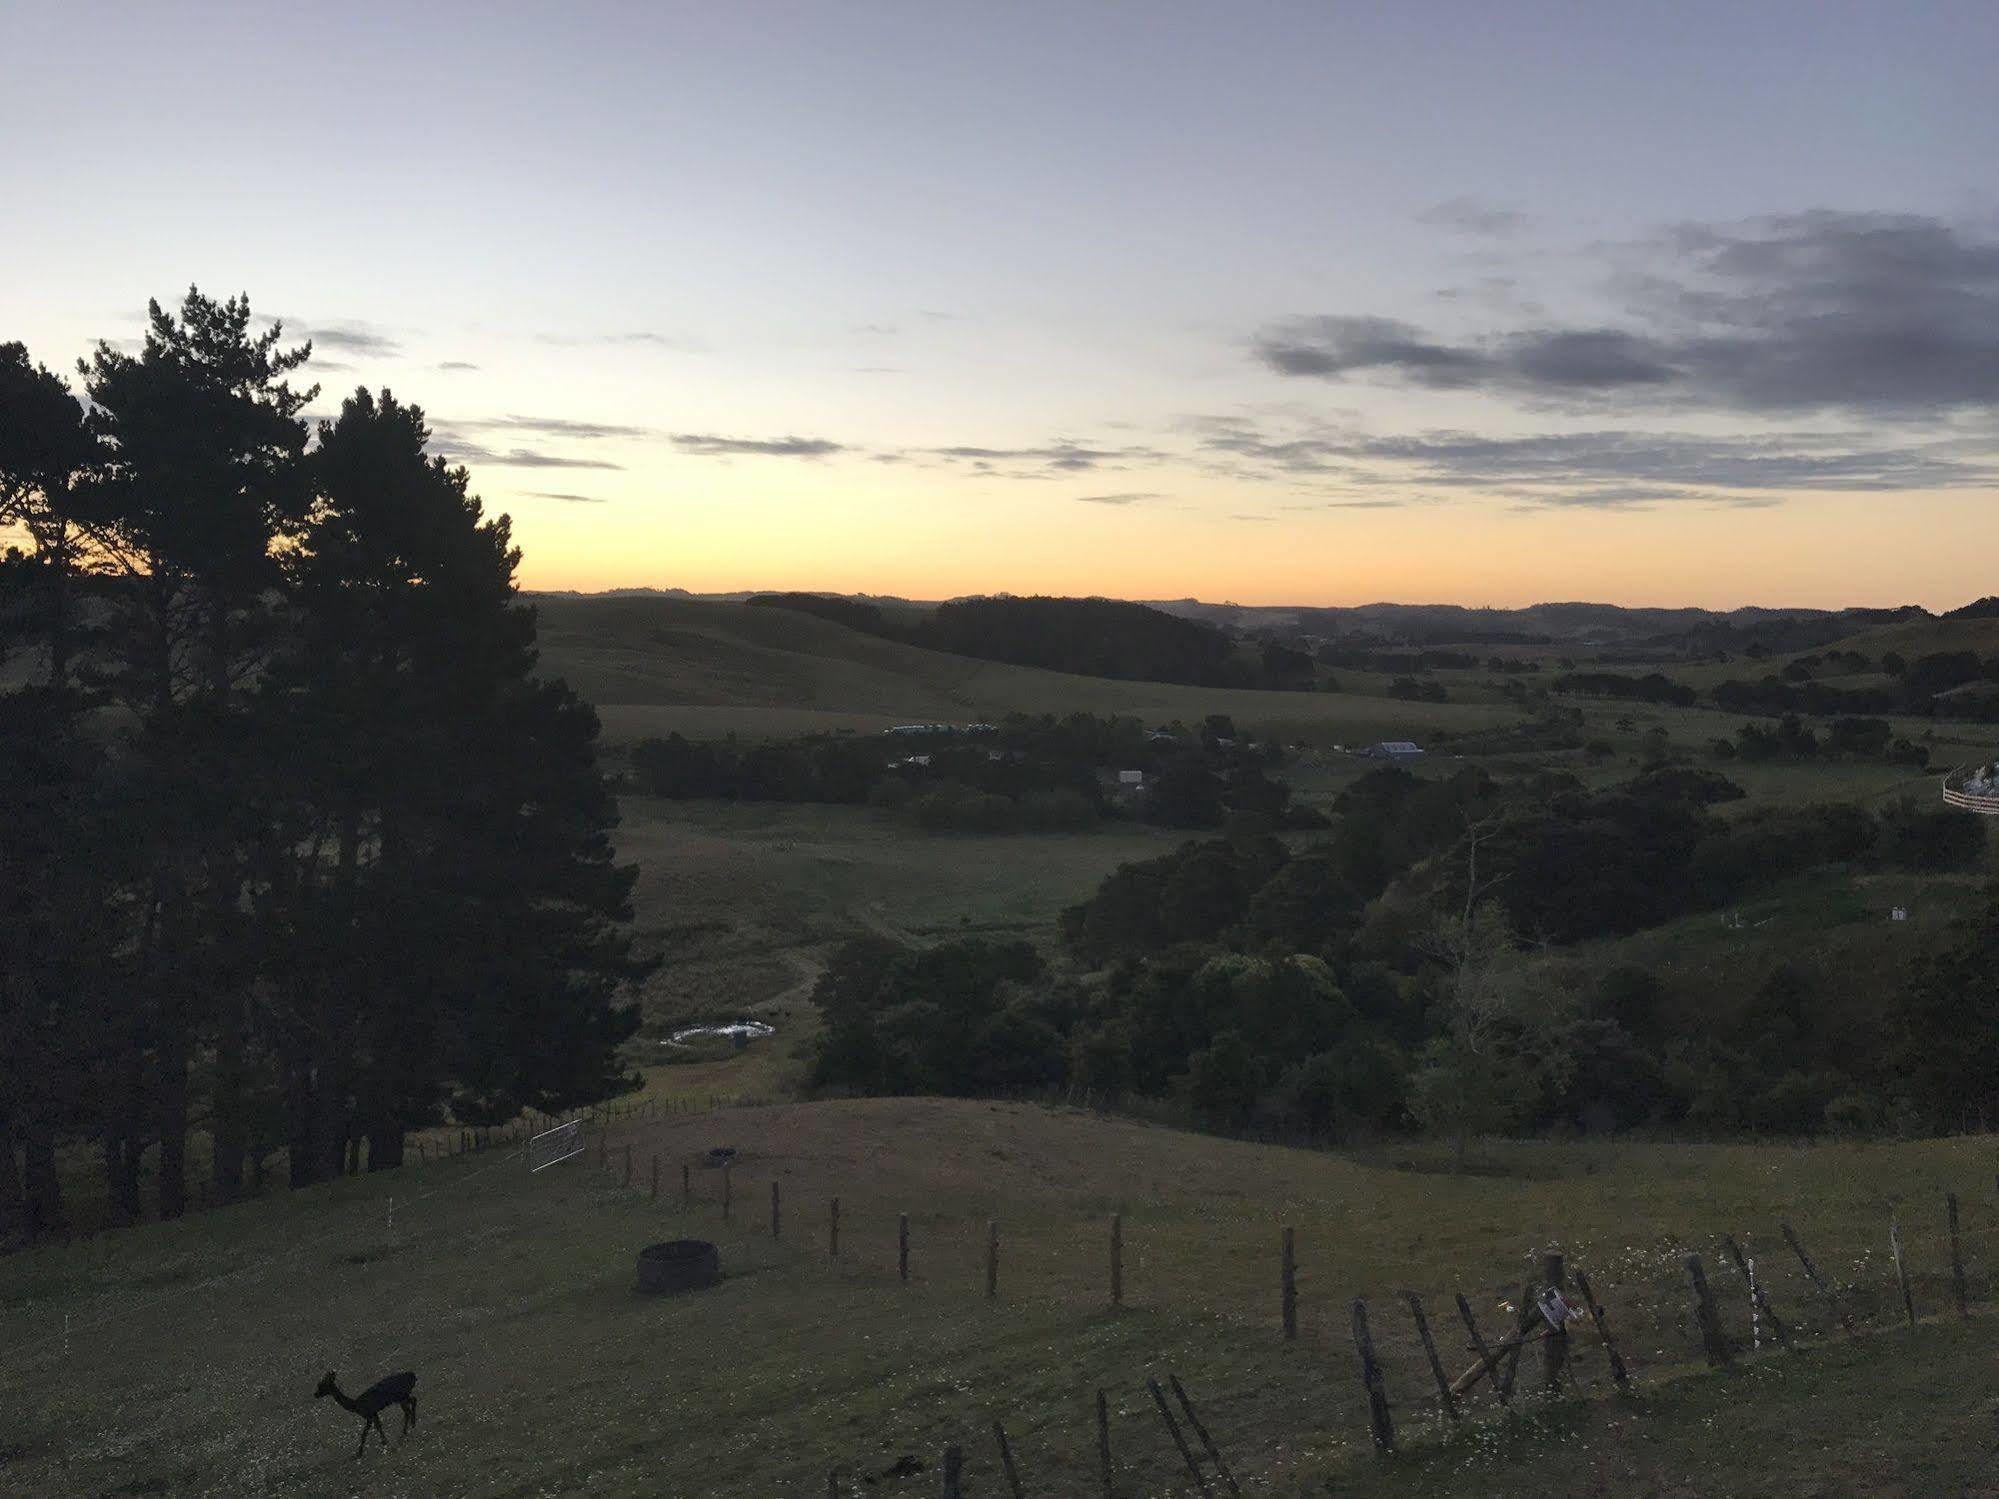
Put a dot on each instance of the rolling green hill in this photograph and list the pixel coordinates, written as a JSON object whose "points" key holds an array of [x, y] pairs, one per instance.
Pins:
{"points": [[181, 1358], [656, 665]]}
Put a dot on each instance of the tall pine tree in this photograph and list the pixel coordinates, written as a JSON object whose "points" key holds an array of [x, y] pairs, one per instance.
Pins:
{"points": [[203, 480], [467, 873], [54, 889]]}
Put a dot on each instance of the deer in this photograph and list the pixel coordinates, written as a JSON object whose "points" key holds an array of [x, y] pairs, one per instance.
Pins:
{"points": [[397, 1389]]}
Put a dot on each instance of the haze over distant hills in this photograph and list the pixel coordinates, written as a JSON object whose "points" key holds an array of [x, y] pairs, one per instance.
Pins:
{"points": [[1432, 623]]}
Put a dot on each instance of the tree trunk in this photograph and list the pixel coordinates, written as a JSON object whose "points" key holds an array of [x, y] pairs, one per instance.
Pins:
{"points": [[173, 1125], [44, 1187], [329, 1121], [13, 1201], [301, 1106], [230, 1127], [122, 1089], [59, 571], [385, 1146]]}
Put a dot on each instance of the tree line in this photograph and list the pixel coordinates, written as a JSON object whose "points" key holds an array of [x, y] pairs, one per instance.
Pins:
{"points": [[296, 851], [1028, 773], [1413, 969], [1088, 637]]}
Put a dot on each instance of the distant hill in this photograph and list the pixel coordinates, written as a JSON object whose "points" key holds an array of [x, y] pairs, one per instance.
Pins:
{"points": [[1556, 623], [1985, 608], [1579, 624], [1089, 637], [654, 664]]}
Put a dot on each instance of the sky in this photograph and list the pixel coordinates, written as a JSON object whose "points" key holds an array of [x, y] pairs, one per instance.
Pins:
{"points": [[1308, 303]]}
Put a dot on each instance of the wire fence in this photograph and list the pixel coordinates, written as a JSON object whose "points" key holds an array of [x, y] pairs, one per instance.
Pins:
{"points": [[1423, 1353], [1771, 1285]]}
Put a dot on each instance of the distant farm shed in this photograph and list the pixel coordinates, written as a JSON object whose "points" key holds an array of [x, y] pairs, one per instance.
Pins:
{"points": [[1393, 749]]}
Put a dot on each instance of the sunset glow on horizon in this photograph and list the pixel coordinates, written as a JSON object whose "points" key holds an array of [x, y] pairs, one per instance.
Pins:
{"points": [[1294, 304]]}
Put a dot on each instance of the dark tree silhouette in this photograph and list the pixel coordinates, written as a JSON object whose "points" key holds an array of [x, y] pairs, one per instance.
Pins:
{"points": [[332, 855], [470, 893], [52, 898], [202, 479]]}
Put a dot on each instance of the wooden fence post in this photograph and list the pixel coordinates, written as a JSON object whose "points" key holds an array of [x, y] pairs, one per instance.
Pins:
{"points": [[1522, 1320], [992, 1258], [1812, 1271], [1287, 1272], [1486, 1356], [1430, 1348], [1554, 1348], [1370, 1377], [1901, 1268], [1713, 1341], [1207, 1442], [1756, 1296], [902, 1248], [1186, 1453], [833, 1229], [1104, 1444], [1006, 1461], [1617, 1369], [1956, 1254], [1117, 1259], [775, 1220], [655, 1178]]}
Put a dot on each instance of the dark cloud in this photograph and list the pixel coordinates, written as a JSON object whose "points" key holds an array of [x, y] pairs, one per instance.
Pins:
{"points": [[707, 445], [557, 494], [1606, 469], [1058, 457], [348, 337], [1318, 449], [1473, 216], [1134, 497], [1333, 346], [458, 450], [544, 426], [1872, 314], [1796, 461]]}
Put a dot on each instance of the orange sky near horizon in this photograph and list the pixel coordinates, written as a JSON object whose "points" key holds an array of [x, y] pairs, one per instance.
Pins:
{"points": [[1306, 304], [1811, 551]]}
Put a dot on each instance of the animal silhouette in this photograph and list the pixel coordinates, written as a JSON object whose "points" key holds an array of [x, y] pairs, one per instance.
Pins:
{"points": [[397, 1389]]}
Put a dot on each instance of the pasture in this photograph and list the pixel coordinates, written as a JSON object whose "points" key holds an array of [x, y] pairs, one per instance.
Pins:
{"points": [[180, 1358]]}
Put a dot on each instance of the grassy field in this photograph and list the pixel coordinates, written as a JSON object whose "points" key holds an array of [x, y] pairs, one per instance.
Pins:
{"points": [[743, 898], [180, 1358], [743, 901], [657, 666], [705, 670]]}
